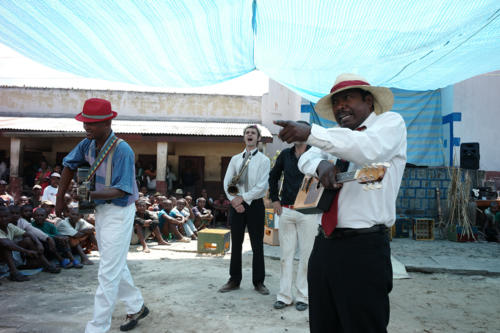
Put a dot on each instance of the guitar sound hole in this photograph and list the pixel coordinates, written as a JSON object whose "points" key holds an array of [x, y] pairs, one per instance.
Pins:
{"points": [[309, 184], [314, 193]]}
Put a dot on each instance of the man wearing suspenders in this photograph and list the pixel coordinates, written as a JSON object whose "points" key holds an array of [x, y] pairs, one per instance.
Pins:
{"points": [[114, 192]]}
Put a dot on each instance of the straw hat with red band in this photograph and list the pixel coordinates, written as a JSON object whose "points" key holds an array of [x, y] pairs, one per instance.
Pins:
{"points": [[95, 110], [382, 96]]}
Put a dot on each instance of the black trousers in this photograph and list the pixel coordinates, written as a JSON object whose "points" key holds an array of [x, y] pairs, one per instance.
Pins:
{"points": [[349, 284], [253, 219]]}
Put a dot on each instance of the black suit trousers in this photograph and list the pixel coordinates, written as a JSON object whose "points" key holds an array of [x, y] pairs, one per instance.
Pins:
{"points": [[349, 284], [253, 219]]}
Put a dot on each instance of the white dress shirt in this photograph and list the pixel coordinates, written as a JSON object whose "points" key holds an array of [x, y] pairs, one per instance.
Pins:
{"points": [[384, 140], [258, 174]]}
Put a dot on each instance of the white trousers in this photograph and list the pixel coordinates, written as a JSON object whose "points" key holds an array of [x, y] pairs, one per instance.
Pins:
{"points": [[293, 227], [113, 232]]}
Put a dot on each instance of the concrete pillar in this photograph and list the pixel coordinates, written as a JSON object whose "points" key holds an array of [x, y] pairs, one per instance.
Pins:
{"points": [[161, 166], [15, 181]]}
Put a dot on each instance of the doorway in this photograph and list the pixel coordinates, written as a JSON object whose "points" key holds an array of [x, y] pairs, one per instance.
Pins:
{"points": [[191, 174]]}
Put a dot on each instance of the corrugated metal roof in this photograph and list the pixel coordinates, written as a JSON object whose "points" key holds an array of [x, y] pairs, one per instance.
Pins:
{"points": [[68, 125]]}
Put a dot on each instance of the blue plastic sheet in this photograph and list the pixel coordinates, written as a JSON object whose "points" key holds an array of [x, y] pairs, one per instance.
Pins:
{"points": [[303, 44], [421, 111], [157, 43]]}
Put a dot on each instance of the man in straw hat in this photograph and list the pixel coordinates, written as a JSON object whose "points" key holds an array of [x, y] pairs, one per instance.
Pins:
{"points": [[350, 272], [114, 192]]}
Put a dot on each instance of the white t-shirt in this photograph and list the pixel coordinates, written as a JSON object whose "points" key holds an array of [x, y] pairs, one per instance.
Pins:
{"points": [[65, 228], [50, 193]]}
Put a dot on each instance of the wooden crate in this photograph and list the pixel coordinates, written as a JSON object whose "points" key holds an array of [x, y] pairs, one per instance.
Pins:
{"points": [[402, 227], [214, 241], [423, 228], [271, 236]]}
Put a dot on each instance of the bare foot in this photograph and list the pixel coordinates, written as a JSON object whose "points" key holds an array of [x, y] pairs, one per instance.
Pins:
{"points": [[164, 243], [146, 250], [87, 262]]}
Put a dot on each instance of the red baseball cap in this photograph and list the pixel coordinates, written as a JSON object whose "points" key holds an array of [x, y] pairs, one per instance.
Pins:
{"points": [[95, 110]]}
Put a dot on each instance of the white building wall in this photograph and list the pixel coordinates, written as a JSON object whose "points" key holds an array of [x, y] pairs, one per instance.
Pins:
{"points": [[29, 102], [279, 104], [477, 100]]}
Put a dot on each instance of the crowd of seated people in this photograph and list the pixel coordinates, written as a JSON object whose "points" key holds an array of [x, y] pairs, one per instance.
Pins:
{"points": [[32, 236], [174, 217]]}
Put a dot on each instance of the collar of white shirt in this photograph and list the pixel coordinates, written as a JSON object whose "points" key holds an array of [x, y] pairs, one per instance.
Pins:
{"points": [[253, 152]]}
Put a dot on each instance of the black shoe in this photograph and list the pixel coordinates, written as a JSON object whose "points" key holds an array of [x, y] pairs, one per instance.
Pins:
{"points": [[133, 319], [278, 305], [229, 286], [261, 289], [301, 306]]}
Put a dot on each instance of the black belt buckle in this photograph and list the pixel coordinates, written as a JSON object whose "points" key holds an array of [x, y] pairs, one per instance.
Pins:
{"points": [[322, 233]]}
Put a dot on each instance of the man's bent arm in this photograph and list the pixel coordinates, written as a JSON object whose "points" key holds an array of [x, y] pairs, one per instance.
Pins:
{"points": [[66, 177]]}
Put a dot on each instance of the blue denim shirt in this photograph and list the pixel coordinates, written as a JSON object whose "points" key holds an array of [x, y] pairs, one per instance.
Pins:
{"points": [[122, 174]]}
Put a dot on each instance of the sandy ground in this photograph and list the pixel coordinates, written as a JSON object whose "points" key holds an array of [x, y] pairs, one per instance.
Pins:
{"points": [[180, 288]]}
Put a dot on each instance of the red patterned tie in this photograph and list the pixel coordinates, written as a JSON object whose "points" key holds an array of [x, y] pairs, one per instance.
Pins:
{"points": [[329, 219]]}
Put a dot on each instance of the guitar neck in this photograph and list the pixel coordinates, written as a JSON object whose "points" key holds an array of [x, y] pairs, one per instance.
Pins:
{"points": [[346, 176]]}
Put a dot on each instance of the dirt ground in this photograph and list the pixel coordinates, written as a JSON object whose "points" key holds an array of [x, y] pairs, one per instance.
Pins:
{"points": [[180, 288]]}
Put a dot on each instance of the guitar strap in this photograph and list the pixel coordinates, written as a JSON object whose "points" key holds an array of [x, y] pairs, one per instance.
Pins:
{"points": [[108, 147], [109, 166]]}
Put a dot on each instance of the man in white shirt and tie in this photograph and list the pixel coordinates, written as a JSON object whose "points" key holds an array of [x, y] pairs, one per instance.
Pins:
{"points": [[350, 271], [245, 184]]}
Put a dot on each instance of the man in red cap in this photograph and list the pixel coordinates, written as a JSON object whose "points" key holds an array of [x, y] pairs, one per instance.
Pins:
{"points": [[114, 192], [350, 271]]}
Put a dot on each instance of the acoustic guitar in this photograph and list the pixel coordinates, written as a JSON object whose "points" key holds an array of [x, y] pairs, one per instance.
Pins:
{"points": [[313, 198]]}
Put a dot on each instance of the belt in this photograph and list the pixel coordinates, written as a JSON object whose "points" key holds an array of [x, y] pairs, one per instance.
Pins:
{"points": [[339, 233], [287, 206]]}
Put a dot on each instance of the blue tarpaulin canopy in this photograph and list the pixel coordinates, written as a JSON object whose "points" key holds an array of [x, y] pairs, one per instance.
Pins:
{"points": [[303, 44]]}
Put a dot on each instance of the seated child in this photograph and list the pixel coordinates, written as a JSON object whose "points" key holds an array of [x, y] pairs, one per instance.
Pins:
{"points": [[169, 224], [62, 242], [146, 220], [78, 231], [49, 207], [221, 206], [188, 225], [203, 216]]}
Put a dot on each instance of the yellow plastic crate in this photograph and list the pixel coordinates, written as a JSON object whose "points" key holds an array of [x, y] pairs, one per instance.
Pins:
{"points": [[215, 241]]}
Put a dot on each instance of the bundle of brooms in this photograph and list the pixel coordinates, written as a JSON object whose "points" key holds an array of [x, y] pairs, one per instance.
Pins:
{"points": [[458, 202]]}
